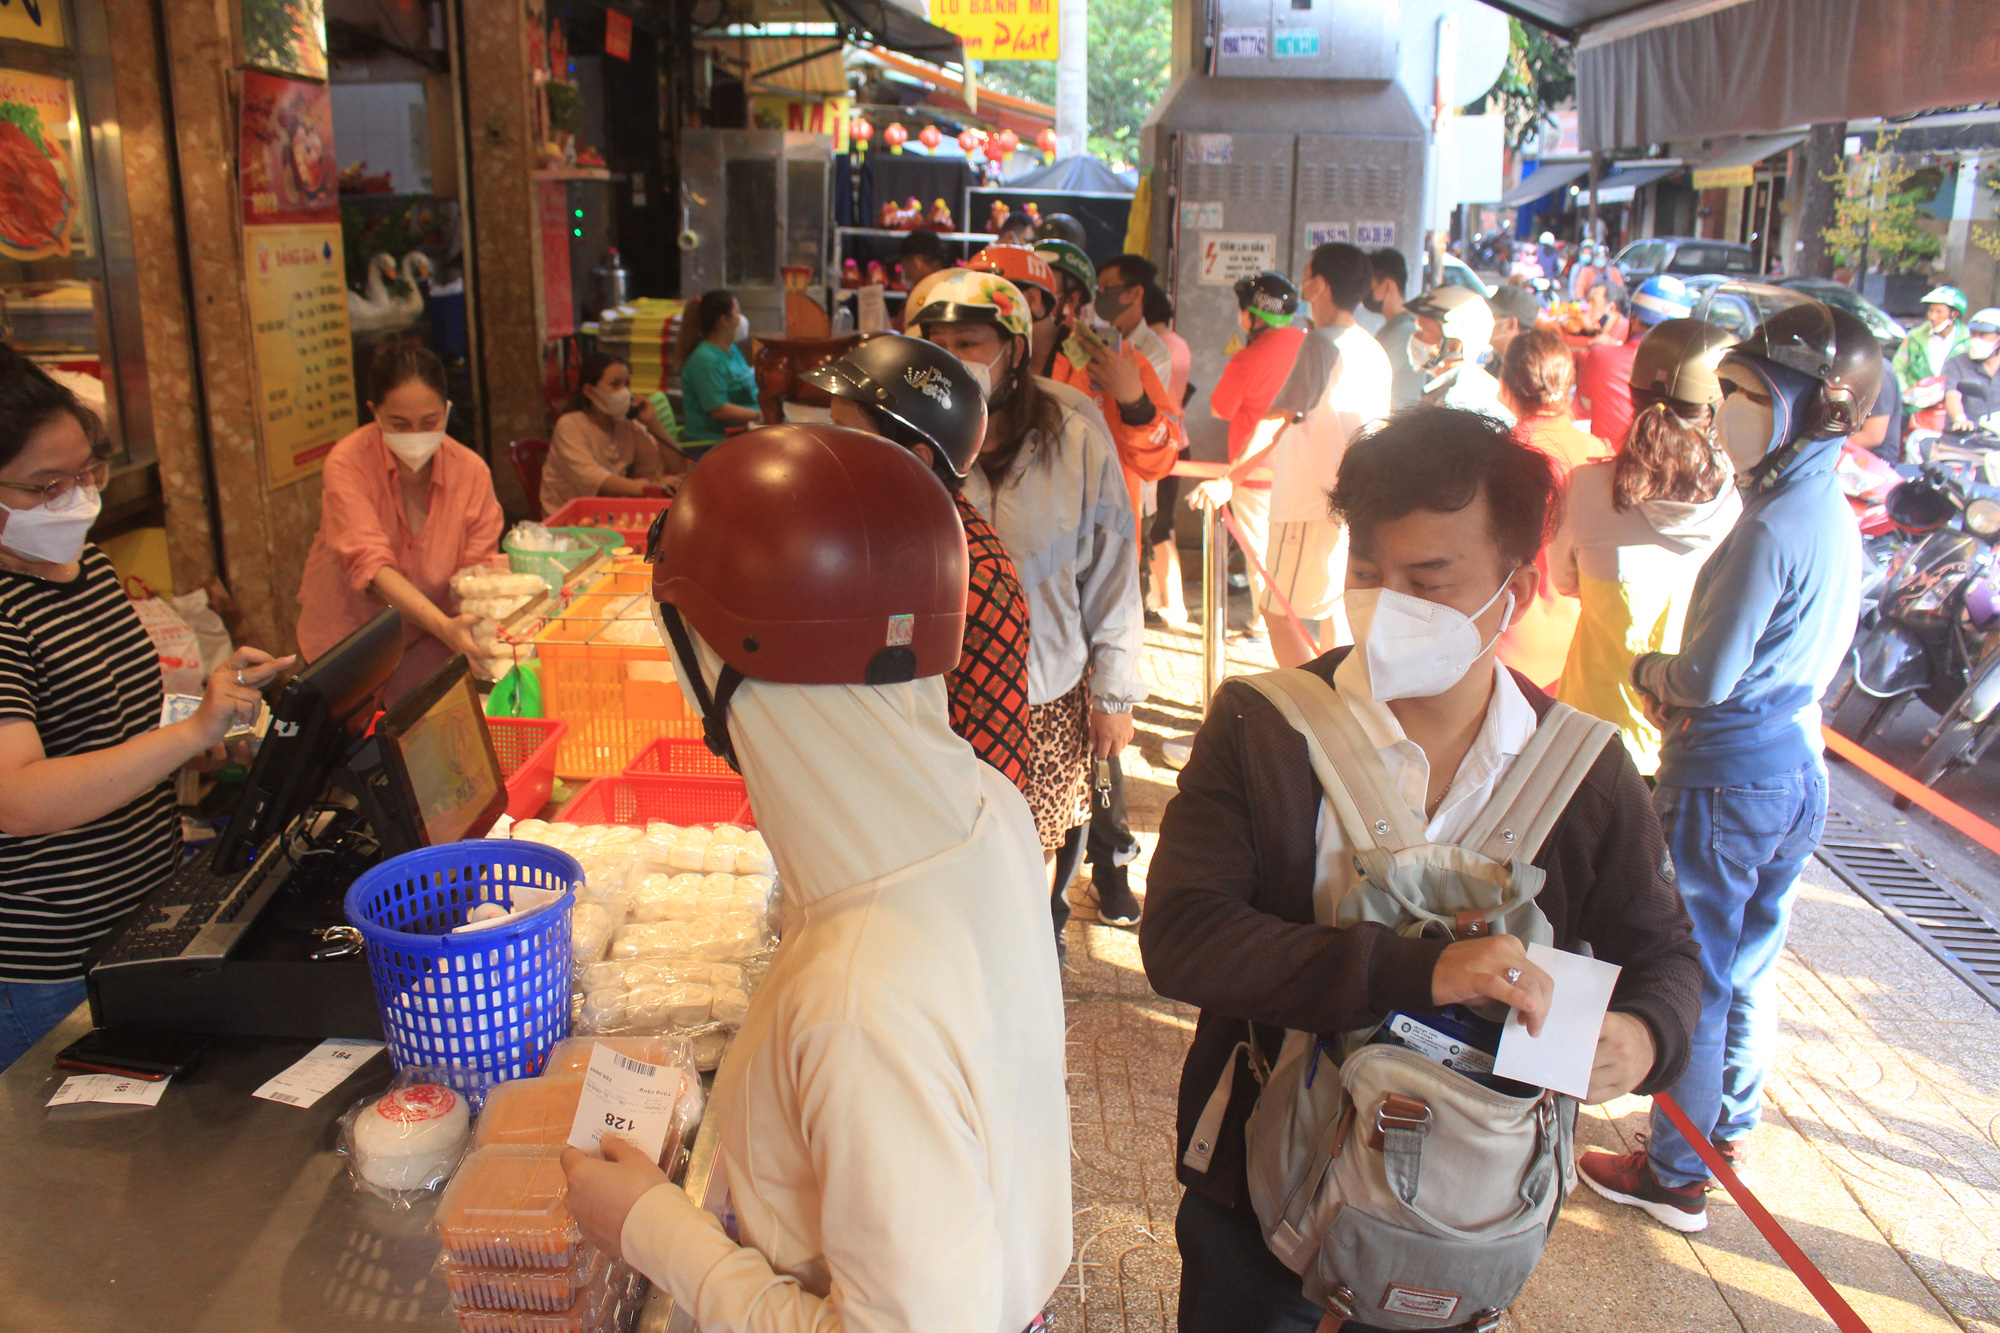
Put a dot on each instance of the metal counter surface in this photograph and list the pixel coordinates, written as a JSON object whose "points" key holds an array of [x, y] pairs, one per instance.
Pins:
{"points": [[213, 1212]]}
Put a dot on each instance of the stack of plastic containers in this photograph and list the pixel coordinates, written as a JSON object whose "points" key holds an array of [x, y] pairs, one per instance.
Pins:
{"points": [[514, 1259]]}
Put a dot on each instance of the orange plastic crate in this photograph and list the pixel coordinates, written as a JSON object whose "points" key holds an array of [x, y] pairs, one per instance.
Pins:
{"points": [[629, 518], [617, 698], [527, 750], [672, 754], [678, 799]]}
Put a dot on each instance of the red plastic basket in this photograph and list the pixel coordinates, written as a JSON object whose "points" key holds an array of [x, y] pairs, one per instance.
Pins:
{"points": [[629, 518], [673, 754], [527, 748], [677, 800]]}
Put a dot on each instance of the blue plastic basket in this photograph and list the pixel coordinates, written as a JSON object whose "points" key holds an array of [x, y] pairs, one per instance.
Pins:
{"points": [[494, 1000]]}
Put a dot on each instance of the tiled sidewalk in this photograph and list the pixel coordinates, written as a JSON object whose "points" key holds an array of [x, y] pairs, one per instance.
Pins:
{"points": [[1880, 1151]]}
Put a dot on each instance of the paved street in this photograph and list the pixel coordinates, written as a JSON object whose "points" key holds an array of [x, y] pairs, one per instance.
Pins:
{"points": [[1880, 1152]]}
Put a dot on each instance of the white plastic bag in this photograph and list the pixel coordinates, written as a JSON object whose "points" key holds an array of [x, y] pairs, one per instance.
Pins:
{"points": [[175, 642]]}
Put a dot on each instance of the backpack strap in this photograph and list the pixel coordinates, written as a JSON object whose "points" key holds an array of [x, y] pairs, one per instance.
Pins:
{"points": [[1543, 778], [1350, 772]]}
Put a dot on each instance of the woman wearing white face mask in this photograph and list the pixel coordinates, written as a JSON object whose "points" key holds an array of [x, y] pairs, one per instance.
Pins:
{"points": [[610, 443], [717, 389], [403, 507], [87, 818], [1048, 479]]}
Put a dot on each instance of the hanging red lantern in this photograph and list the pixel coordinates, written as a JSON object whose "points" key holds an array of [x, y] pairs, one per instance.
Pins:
{"points": [[1006, 141], [929, 137], [971, 141], [895, 136], [1046, 141], [860, 130]]}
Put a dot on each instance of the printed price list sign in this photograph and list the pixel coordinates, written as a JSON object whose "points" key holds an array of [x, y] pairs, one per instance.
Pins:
{"points": [[305, 373]]}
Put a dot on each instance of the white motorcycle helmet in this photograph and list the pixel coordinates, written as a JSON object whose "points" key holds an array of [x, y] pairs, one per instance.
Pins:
{"points": [[1465, 318]]}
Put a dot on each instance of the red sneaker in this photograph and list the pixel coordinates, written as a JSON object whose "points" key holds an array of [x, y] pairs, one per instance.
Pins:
{"points": [[1628, 1178]]}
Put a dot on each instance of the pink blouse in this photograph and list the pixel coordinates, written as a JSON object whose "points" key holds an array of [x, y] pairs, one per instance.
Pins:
{"points": [[363, 529]]}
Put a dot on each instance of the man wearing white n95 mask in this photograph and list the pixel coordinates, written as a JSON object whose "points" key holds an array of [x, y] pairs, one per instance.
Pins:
{"points": [[1446, 512]]}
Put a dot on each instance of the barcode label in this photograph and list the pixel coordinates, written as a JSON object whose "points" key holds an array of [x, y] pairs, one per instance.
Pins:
{"points": [[320, 1071], [630, 1098]]}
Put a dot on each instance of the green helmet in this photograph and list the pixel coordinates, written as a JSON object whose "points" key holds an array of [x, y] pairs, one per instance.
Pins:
{"points": [[1950, 296], [1071, 260]]}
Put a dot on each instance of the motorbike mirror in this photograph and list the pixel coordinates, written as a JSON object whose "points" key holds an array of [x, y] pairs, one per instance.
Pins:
{"points": [[1982, 518]]}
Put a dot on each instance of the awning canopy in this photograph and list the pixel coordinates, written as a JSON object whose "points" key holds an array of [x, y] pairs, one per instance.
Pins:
{"points": [[1544, 179], [1082, 174], [1622, 184], [1697, 69], [1736, 165], [898, 29]]}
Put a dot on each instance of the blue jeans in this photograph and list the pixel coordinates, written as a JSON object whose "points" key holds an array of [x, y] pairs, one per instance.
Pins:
{"points": [[28, 1010], [1737, 855]]}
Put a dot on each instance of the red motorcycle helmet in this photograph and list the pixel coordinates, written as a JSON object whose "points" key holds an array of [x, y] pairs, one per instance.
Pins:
{"points": [[813, 555]]}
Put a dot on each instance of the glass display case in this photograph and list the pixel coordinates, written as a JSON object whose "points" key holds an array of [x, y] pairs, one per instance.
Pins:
{"points": [[68, 289]]}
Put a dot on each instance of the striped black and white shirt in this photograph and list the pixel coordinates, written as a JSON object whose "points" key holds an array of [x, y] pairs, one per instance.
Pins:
{"points": [[75, 661]]}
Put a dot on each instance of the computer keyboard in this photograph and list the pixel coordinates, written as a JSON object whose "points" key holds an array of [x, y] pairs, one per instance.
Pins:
{"points": [[196, 915]]}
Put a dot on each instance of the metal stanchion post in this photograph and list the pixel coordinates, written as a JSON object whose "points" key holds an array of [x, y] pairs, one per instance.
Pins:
{"points": [[1214, 622], [1214, 602]]}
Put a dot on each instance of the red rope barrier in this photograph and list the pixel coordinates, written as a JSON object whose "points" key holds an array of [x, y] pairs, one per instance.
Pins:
{"points": [[1896, 780], [1805, 1269]]}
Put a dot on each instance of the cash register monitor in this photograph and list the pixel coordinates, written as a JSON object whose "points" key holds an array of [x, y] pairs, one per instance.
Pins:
{"points": [[440, 777], [322, 714]]}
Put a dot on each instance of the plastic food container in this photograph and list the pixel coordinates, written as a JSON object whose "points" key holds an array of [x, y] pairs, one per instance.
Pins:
{"points": [[572, 1055], [530, 1110], [600, 1307], [505, 1209], [544, 1289]]}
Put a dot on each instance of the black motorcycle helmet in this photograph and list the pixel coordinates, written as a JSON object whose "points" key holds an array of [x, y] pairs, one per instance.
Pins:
{"points": [[918, 393], [1061, 227], [1269, 292], [1832, 346]]}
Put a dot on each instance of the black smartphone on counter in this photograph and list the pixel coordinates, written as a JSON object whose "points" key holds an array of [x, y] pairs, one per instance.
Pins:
{"points": [[144, 1053]]}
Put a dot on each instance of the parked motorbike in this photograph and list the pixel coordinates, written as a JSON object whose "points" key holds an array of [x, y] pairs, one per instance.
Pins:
{"points": [[1932, 625], [1966, 731]]}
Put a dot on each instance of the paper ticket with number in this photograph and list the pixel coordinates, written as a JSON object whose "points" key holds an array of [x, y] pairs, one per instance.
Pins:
{"points": [[629, 1098]]}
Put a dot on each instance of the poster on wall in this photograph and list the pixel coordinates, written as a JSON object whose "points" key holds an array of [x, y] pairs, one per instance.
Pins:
{"points": [[295, 273], [286, 151], [37, 21], [305, 374], [288, 36], [41, 173]]}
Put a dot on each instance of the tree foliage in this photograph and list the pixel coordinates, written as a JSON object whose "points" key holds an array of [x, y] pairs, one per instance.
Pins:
{"points": [[1878, 194], [1539, 76], [1130, 53]]}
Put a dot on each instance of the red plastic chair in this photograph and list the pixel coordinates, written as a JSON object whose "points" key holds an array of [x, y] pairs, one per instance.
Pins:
{"points": [[528, 457]]}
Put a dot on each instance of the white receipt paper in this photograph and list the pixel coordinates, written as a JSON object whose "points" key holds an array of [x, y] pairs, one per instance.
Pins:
{"points": [[626, 1097], [321, 1070], [1562, 1056], [109, 1088]]}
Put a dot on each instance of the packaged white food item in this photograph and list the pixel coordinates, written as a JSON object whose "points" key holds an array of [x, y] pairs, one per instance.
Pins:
{"points": [[592, 925], [729, 1006], [719, 856], [406, 1141]]}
